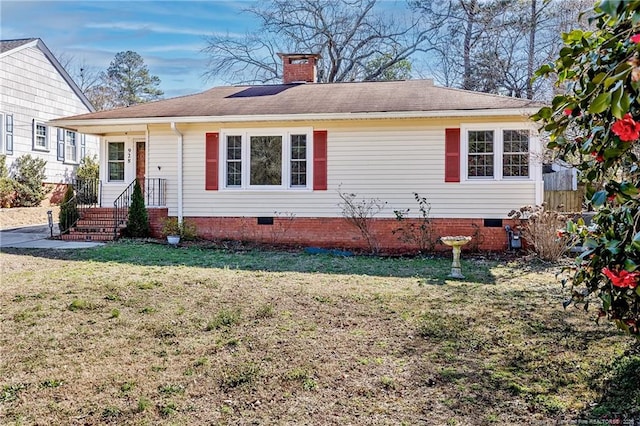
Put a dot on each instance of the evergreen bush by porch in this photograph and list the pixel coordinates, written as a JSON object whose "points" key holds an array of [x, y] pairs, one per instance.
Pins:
{"points": [[138, 222]]}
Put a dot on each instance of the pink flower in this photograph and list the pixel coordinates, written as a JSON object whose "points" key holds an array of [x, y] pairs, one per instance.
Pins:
{"points": [[635, 38], [568, 111], [626, 129], [622, 279], [599, 157]]}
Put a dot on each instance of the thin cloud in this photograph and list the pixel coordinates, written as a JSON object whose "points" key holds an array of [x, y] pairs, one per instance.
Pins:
{"points": [[155, 28]]}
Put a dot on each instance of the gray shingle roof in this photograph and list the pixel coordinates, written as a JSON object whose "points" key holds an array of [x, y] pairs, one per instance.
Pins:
{"points": [[6, 45], [321, 98]]}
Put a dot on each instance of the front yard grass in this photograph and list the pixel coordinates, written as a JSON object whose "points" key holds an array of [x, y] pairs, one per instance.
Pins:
{"points": [[135, 333]]}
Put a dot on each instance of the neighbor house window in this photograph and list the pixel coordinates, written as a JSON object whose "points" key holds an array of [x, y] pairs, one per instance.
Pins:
{"points": [[71, 146], [8, 137], [497, 153], [261, 160], [40, 136], [116, 161]]}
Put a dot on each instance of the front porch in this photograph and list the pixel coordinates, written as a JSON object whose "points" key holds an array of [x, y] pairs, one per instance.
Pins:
{"points": [[86, 218]]}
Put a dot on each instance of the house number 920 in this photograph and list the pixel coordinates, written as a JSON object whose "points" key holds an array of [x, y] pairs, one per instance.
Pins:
{"points": [[129, 156]]}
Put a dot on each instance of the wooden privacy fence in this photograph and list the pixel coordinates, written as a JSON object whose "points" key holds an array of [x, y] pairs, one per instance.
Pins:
{"points": [[565, 201], [561, 191]]}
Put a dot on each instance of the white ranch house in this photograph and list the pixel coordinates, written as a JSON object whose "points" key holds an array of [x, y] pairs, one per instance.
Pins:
{"points": [[243, 161]]}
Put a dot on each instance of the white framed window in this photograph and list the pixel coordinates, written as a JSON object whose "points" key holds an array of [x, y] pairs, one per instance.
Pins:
{"points": [[266, 159], [40, 136], [115, 159], [494, 152], [515, 155], [70, 146], [8, 134]]}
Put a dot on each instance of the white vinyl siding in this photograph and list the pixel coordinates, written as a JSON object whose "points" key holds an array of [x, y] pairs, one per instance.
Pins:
{"points": [[384, 163]]}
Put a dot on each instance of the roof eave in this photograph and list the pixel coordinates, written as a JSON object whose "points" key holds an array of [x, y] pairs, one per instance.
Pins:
{"points": [[72, 123]]}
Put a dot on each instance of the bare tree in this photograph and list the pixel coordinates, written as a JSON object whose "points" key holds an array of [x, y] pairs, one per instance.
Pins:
{"points": [[355, 40], [496, 45], [85, 76]]}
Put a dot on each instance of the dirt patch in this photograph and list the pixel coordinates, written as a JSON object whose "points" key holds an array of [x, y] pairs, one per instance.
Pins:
{"points": [[25, 216]]}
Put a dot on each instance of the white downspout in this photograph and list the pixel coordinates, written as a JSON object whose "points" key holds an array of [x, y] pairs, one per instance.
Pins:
{"points": [[180, 142]]}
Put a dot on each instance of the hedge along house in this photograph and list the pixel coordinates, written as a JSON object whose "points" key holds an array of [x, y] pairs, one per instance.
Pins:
{"points": [[267, 163], [34, 89]]}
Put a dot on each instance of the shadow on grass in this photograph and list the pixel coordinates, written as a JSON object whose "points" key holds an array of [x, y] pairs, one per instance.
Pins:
{"points": [[618, 385], [428, 271]]}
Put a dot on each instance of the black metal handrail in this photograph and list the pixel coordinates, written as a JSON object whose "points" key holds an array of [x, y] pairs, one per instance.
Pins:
{"points": [[88, 191], [155, 190], [69, 214], [121, 208]]}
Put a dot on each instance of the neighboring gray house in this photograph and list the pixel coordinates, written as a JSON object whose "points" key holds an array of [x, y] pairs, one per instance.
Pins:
{"points": [[35, 88]]}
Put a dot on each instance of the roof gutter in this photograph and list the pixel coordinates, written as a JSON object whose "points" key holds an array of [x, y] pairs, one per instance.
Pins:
{"points": [[524, 112], [180, 174]]}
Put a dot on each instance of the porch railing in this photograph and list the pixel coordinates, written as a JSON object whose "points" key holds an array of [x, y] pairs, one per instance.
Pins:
{"points": [[155, 195], [86, 195], [155, 192], [121, 208], [69, 214], [88, 192]]}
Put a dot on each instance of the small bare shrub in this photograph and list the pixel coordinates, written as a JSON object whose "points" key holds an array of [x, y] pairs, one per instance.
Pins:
{"points": [[359, 214], [281, 225], [418, 234], [541, 230]]}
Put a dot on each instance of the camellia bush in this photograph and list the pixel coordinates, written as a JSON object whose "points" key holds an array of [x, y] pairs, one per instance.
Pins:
{"points": [[597, 123]]}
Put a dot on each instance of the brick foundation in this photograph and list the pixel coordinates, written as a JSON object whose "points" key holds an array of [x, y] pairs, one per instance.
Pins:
{"points": [[337, 232], [156, 217]]}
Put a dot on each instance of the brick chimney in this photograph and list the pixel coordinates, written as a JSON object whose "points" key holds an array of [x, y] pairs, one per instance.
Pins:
{"points": [[299, 67]]}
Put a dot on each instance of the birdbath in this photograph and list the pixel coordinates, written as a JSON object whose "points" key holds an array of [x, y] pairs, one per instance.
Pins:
{"points": [[456, 243]]}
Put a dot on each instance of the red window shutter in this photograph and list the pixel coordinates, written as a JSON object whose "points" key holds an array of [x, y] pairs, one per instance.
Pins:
{"points": [[211, 161], [452, 155], [320, 160]]}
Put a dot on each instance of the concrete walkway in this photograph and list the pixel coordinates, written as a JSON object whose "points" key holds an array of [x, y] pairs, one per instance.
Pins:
{"points": [[36, 237]]}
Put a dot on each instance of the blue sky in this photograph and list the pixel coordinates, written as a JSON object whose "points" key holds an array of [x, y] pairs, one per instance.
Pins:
{"points": [[169, 35]]}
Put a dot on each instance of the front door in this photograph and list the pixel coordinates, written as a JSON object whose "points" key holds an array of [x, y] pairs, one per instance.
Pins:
{"points": [[140, 163]]}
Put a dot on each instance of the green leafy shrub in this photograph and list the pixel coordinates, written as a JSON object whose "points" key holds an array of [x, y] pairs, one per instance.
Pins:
{"points": [[88, 169], [186, 230], [6, 184], [28, 177], [69, 214], [138, 221], [595, 122]]}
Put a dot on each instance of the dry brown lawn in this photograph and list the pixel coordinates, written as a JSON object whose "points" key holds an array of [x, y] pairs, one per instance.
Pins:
{"points": [[25, 216], [144, 334]]}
